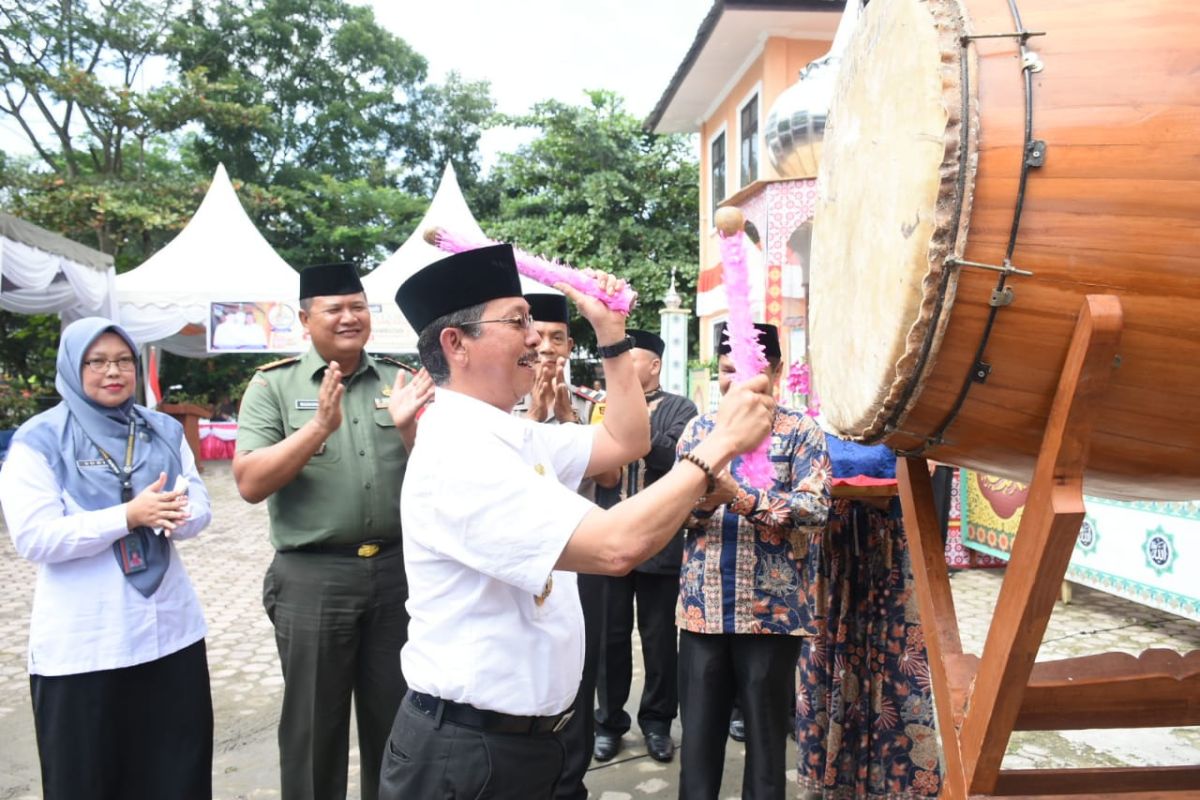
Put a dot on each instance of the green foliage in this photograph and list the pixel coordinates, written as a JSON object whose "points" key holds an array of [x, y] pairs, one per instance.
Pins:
{"points": [[208, 382], [324, 219], [28, 349], [596, 190]]}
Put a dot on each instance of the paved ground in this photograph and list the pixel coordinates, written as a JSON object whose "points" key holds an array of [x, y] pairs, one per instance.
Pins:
{"points": [[227, 564]]}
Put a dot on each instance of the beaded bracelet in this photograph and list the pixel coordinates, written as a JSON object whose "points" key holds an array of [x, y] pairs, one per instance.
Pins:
{"points": [[708, 473]]}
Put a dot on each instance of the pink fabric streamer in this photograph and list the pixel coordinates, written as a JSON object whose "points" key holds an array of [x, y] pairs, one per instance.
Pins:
{"points": [[745, 349], [540, 269], [799, 381]]}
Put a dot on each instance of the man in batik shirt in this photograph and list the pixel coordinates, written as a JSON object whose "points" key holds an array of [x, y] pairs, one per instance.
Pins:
{"points": [[742, 605]]}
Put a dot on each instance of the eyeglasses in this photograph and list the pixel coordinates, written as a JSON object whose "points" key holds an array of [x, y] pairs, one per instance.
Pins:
{"points": [[522, 321], [100, 365]]}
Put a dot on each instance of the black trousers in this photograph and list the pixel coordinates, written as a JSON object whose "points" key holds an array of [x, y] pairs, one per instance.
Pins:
{"points": [[339, 625], [655, 597], [759, 672], [138, 733], [430, 759], [579, 736]]}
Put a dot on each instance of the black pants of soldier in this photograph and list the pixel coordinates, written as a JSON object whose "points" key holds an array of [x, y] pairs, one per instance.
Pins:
{"points": [[579, 736], [138, 733], [426, 758], [655, 597], [339, 626], [759, 672]]}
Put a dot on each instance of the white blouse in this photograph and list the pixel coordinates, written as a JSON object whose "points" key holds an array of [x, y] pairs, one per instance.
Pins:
{"points": [[86, 615]]}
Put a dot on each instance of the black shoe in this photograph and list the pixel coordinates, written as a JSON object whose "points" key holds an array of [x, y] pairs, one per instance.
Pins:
{"points": [[660, 747], [737, 729], [606, 747]]}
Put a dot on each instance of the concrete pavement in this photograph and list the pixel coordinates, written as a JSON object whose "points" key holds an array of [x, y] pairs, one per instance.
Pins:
{"points": [[227, 562]]}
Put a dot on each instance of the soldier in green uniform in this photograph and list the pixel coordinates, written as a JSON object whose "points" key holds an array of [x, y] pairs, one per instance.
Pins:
{"points": [[324, 439]]}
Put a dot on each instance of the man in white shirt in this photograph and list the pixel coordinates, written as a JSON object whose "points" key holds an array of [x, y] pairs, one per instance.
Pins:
{"points": [[495, 647]]}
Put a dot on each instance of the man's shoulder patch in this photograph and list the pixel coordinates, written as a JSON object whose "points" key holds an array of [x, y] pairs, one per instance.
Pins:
{"points": [[276, 364], [395, 362]]}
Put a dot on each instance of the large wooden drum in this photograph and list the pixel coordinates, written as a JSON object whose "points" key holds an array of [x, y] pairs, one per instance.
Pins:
{"points": [[958, 230]]}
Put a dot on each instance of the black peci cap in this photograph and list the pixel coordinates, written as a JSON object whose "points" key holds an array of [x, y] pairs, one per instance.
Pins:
{"points": [[768, 337], [324, 280], [647, 341], [546, 307], [459, 281]]}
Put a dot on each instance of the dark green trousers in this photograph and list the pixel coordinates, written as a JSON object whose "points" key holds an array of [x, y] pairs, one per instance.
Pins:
{"points": [[339, 625]]}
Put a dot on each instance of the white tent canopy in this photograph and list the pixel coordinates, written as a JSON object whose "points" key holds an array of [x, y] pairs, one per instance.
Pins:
{"points": [[42, 272], [448, 210], [219, 256]]}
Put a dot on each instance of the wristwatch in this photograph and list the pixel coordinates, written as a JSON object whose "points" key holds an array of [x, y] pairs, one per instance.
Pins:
{"points": [[614, 350]]}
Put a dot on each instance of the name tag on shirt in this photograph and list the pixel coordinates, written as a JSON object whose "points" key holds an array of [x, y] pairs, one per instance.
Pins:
{"points": [[91, 462], [381, 402], [308, 405]]}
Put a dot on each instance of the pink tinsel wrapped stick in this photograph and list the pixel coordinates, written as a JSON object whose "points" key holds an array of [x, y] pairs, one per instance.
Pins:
{"points": [[539, 269], [744, 348]]}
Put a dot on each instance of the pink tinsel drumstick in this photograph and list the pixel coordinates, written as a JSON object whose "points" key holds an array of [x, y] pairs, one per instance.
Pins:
{"points": [[744, 348], [539, 269]]}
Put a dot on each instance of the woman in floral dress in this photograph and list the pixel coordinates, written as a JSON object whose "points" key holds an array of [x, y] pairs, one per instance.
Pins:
{"points": [[864, 712]]}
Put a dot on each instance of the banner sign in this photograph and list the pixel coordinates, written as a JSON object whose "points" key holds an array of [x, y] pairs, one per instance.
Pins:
{"points": [[275, 327], [1147, 552]]}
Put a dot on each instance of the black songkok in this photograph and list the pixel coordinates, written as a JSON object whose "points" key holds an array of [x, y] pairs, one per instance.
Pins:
{"points": [[546, 307], [768, 337], [324, 280], [647, 341], [456, 282]]}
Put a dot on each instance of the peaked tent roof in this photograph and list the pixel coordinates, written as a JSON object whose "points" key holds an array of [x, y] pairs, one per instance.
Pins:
{"points": [[218, 256], [447, 210]]}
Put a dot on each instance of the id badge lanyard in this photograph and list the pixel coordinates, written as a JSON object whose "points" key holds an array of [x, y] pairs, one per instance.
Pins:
{"points": [[131, 556]]}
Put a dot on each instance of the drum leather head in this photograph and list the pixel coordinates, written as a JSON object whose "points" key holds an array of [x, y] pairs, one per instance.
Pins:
{"points": [[889, 178]]}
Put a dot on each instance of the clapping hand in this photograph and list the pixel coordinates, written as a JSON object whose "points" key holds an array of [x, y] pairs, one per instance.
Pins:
{"points": [[329, 399], [154, 508], [410, 393]]}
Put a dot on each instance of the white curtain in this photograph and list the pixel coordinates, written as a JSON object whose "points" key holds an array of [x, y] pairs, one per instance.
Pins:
{"points": [[37, 282]]}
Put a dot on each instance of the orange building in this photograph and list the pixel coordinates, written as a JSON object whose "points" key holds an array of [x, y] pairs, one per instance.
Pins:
{"points": [[745, 56]]}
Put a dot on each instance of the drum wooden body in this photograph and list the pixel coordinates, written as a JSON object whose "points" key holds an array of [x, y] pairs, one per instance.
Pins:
{"points": [[1114, 209]]}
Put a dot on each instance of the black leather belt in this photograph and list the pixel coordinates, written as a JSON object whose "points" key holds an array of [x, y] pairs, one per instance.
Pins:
{"points": [[368, 549], [490, 721]]}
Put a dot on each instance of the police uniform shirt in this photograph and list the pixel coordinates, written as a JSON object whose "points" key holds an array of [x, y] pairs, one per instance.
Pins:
{"points": [[346, 493], [585, 403], [488, 504]]}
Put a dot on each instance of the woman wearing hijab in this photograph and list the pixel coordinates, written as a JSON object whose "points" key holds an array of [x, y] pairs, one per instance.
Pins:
{"points": [[95, 491]]}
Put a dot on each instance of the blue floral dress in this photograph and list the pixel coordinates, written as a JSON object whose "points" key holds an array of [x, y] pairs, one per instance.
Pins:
{"points": [[864, 712]]}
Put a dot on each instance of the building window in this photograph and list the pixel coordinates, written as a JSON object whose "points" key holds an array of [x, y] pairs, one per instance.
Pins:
{"points": [[718, 173], [749, 134]]}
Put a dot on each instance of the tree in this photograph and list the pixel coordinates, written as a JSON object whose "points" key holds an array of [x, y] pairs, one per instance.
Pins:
{"points": [[70, 74], [355, 134], [455, 114], [596, 190]]}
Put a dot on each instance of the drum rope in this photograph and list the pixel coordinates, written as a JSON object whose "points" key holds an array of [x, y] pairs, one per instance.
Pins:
{"points": [[1033, 155]]}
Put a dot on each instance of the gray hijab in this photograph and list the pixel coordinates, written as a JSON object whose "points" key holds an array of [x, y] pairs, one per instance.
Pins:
{"points": [[72, 434]]}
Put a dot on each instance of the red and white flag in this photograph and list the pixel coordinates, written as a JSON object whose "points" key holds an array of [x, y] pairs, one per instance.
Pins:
{"points": [[153, 393]]}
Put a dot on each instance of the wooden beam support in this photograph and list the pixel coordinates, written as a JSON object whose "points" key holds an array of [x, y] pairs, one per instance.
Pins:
{"points": [[1049, 526]]}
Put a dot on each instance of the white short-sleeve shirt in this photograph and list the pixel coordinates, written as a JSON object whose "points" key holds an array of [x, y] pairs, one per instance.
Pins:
{"points": [[488, 505]]}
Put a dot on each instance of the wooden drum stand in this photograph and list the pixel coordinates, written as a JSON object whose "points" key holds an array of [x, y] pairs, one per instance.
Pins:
{"points": [[981, 701]]}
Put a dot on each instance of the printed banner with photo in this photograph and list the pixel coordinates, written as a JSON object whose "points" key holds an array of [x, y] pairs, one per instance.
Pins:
{"points": [[263, 327], [1142, 551], [275, 327]]}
